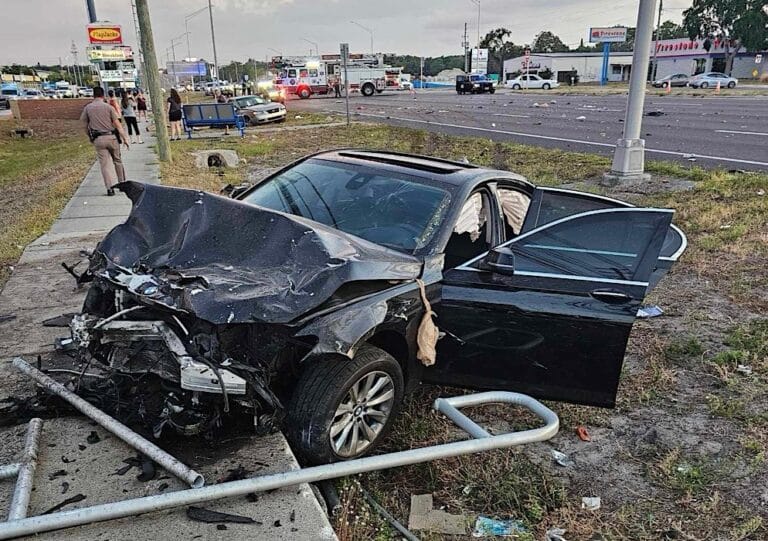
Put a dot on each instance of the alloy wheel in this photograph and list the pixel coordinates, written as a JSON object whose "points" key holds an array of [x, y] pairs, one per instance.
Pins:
{"points": [[362, 414]]}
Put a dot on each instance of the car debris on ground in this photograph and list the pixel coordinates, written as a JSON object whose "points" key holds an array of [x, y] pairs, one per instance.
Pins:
{"points": [[490, 527], [424, 517]]}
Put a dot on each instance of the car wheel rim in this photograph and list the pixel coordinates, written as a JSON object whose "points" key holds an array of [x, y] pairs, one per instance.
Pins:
{"points": [[362, 414]]}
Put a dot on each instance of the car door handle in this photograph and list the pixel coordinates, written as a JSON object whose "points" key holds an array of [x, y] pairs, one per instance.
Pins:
{"points": [[610, 296]]}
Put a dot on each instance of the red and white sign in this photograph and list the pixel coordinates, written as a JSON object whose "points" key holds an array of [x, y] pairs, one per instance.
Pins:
{"points": [[616, 34], [105, 34], [687, 47]]}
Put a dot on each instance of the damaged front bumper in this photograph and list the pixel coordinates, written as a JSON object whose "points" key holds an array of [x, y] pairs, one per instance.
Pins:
{"points": [[193, 375]]}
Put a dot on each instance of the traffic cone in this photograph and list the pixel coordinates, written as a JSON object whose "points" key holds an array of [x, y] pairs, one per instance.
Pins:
{"points": [[717, 88], [669, 88]]}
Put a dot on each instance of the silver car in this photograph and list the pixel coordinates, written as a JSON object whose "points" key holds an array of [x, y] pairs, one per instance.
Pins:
{"points": [[710, 79], [258, 110]]}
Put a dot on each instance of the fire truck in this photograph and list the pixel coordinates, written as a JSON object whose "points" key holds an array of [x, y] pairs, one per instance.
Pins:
{"points": [[308, 75]]}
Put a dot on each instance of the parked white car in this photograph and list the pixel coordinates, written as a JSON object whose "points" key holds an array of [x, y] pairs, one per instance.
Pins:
{"points": [[530, 81], [711, 78]]}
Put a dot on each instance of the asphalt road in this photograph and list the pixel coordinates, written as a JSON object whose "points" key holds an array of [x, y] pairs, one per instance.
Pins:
{"points": [[728, 132]]}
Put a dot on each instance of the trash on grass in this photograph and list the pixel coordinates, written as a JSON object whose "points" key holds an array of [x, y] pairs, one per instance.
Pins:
{"points": [[744, 369], [581, 118], [423, 517], [590, 503], [487, 527], [561, 458], [583, 433], [555, 534], [649, 310]]}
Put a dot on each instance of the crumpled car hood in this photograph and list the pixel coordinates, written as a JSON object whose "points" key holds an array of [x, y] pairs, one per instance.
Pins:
{"points": [[227, 261]]}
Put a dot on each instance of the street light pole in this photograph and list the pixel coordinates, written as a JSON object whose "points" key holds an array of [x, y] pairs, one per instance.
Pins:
{"points": [[367, 30], [629, 156], [317, 49], [153, 85], [478, 21], [213, 40]]}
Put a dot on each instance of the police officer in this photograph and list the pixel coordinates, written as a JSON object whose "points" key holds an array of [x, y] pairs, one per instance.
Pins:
{"points": [[103, 128]]}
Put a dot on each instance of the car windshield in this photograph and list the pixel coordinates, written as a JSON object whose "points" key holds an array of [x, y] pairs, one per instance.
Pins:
{"points": [[392, 210], [250, 101], [9, 92]]}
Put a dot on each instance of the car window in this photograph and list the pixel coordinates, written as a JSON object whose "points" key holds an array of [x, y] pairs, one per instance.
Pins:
{"points": [[554, 205], [608, 244], [514, 206], [313, 73], [303, 72], [471, 233], [392, 210], [291, 73]]}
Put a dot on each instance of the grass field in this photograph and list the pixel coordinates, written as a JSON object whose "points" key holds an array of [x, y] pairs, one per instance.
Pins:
{"points": [[38, 175], [683, 454]]}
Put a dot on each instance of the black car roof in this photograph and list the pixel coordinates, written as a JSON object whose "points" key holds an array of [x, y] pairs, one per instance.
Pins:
{"points": [[459, 175]]}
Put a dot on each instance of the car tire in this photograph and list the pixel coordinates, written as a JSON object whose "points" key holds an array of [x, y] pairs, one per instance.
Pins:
{"points": [[731, 84], [664, 85], [546, 86], [304, 92], [492, 90], [516, 87], [368, 90], [323, 389], [704, 85]]}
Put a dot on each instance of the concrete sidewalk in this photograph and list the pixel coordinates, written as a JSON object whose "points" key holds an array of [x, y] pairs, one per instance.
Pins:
{"points": [[40, 289]]}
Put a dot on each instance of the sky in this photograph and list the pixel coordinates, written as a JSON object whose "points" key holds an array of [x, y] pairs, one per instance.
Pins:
{"points": [[34, 31]]}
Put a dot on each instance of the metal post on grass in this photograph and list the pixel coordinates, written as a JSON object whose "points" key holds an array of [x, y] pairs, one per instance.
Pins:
{"points": [[606, 60], [629, 156], [344, 57]]}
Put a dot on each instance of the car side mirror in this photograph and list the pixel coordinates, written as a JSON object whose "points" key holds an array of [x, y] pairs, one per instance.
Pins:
{"points": [[500, 260]]}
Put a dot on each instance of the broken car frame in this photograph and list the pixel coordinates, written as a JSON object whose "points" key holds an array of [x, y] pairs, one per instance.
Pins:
{"points": [[480, 440]]}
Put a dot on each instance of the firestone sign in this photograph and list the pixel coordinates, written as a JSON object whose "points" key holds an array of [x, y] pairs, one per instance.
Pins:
{"points": [[105, 34], [616, 34]]}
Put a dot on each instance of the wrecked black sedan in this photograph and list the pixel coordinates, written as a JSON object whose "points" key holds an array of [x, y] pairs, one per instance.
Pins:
{"points": [[309, 299]]}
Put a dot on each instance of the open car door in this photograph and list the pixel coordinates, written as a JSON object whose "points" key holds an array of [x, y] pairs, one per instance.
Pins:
{"points": [[550, 204], [549, 312]]}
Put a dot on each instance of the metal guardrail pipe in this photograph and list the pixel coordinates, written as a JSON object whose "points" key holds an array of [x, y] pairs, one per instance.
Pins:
{"points": [[26, 472], [9, 470], [167, 461], [158, 502]]}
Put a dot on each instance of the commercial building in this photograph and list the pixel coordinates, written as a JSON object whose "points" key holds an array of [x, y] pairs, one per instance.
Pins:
{"points": [[671, 56]]}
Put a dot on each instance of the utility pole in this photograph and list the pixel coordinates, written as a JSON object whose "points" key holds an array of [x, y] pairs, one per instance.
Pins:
{"points": [[153, 84], [91, 11], [656, 43], [213, 40], [465, 44], [142, 67], [478, 21], [629, 156]]}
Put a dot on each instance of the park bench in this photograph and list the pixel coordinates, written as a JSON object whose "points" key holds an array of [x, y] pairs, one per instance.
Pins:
{"points": [[212, 115]]}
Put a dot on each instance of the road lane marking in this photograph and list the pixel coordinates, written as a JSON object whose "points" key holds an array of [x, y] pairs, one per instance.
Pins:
{"points": [[513, 116], [564, 139], [742, 132]]}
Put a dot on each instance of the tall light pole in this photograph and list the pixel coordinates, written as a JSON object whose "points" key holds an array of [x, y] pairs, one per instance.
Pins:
{"points": [[186, 27], [317, 49], [367, 30], [153, 85], [629, 156], [213, 41], [478, 20], [173, 50]]}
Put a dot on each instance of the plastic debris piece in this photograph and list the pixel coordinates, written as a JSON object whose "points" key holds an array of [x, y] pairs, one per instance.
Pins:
{"points": [[64, 487], [581, 118], [74, 499], [744, 369], [561, 458], [647, 311], [590, 503], [488, 527], [583, 433], [93, 437], [59, 473], [555, 534], [201, 514], [655, 113], [760, 192]]}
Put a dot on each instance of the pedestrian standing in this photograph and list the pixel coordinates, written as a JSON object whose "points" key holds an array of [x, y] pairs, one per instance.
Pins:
{"points": [[105, 132], [128, 109], [141, 105], [114, 103], [174, 114], [336, 88]]}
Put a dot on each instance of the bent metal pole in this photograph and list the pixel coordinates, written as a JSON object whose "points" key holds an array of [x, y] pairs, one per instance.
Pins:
{"points": [[167, 461], [26, 471], [448, 406]]}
